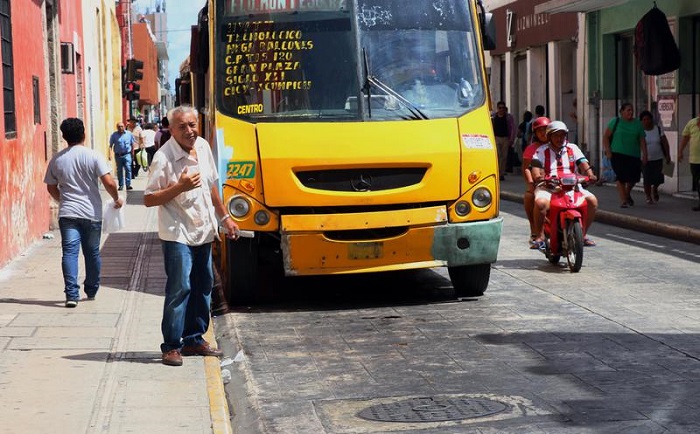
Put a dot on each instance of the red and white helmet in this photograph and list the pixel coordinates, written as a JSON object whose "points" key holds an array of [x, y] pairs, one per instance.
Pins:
{"points": [[540, 122]]}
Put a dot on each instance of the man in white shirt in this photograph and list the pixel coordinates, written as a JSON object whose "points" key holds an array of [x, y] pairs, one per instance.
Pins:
{"points": [[558, 158], [183, 183], [136, 131]]}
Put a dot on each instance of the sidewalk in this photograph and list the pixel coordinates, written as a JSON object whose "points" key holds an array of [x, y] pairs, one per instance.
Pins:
{"points": [[96, 368], [671, 217]]}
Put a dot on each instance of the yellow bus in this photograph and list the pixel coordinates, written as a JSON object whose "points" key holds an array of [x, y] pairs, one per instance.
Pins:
{"points": [[355, 137]]}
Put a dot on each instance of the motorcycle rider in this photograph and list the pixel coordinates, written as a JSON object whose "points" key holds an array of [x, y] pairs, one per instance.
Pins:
{"points": [[555, 159], [539, 138]]}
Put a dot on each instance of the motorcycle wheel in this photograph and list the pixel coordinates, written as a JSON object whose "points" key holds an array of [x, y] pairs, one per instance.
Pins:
{"points": [[574, 256], [553, 259]]}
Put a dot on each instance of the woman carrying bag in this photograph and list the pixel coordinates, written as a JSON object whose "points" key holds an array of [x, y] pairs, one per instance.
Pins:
{"points": [[657, 152], [624, 144]]}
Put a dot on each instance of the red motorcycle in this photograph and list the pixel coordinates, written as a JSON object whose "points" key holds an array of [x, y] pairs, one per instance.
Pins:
{"points": [[563, 227]]}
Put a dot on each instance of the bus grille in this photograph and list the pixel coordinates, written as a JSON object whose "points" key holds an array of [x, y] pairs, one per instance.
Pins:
{"points": [[361, 180], [365, 234]]}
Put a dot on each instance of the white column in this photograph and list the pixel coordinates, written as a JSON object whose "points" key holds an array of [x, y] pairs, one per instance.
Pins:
{"points": [[554, 108], [510, 78]]}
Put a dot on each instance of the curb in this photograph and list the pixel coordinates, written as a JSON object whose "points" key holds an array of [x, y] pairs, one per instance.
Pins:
{"points": [[666, 230], [218, 405]]}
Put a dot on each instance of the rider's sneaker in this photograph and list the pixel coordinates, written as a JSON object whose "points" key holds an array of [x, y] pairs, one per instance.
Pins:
{"points": [[538, 245]]}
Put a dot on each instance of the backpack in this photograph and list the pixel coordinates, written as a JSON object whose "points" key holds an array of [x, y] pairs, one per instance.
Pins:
{"points": [[655, 49]]}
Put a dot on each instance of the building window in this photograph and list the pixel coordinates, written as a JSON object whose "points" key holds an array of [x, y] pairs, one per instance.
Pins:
{"points": [[37, 99], [8, 75], [67, 58]]}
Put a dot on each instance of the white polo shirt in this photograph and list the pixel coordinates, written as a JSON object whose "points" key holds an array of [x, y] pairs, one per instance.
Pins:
{"points": [[189, 218]]}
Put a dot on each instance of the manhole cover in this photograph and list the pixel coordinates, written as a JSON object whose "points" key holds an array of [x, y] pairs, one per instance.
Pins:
{"points": [[431, 409]]}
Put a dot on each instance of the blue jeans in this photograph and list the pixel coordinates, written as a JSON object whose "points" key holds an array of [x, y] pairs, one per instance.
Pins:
{"points": [[123, 169], [187, 294], [75, 233]]}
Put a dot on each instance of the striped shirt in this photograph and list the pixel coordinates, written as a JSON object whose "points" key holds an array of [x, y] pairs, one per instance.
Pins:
{"points": [[559, 162]]}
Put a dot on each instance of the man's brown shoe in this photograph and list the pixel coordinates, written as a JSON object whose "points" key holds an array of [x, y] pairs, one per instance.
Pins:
{"points": [[172, 358], [201, 350]]}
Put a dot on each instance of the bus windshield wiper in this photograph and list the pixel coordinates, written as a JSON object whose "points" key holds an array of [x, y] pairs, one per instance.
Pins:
{"points": [[371, 80], [415, 111], [366, 86]]}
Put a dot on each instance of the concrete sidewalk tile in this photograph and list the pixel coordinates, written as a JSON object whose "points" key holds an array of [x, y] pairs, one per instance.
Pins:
{"points": [[68, 318], [60, 343], [74, 332], [16, 332]]}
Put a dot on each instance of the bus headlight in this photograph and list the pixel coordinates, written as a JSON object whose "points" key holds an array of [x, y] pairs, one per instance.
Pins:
{"points": [[261, 218], [482, 197], [462, 208], [239, 207]]}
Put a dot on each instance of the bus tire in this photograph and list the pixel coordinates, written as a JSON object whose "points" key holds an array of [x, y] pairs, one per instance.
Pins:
{"points": [[242, 260], [470, 280]]}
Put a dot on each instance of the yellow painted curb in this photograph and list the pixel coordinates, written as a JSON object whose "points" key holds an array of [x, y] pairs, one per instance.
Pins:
{"points": [[218, 407]]}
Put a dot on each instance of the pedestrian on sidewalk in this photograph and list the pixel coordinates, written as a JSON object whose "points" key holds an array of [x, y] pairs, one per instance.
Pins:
{"points": [[657, 152], [135, 129], [149, 143], [121, 142], [162, 135], [71, 179], [183, 183], [691, 136], [504, 130], [624, 144]]}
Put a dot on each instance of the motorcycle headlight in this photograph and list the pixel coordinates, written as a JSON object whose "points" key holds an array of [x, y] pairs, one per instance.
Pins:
{"points": [[569, 180], [239, 206], [482, 197]]}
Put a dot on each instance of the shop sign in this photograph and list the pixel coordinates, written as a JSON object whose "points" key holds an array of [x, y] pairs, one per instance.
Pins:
{"points": [[666, 107]]}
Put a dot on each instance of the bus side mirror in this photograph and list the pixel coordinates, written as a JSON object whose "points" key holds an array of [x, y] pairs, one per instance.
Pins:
{"points": [[488, 31]]}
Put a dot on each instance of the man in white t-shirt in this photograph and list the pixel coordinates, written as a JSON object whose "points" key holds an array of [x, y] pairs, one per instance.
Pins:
{"points": [[558, 158], [71, 179], [136, 131], [183, 183]]}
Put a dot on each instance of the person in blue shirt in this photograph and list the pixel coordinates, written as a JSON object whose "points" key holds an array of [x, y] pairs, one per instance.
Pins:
{"points": [[121, 142]]}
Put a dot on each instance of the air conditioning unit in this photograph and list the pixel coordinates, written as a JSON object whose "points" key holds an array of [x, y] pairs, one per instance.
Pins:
{"points": [[67, 58]]}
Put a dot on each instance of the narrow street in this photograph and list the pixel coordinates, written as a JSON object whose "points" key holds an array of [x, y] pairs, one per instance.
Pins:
{"points": [[614, 348]]}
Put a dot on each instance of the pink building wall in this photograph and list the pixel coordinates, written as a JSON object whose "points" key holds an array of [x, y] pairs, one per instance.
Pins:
{"points": [[24, 202], [70, 20], [24, 213]]}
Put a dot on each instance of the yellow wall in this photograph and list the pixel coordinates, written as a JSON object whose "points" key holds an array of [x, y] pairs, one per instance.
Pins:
{"points": [[102, 41]]}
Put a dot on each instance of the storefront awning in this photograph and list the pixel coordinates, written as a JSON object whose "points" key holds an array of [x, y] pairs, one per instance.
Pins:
{"points": [[558, 6]]}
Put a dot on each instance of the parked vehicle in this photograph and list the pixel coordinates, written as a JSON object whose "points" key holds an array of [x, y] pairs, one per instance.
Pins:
{"points": [[349, 143]]}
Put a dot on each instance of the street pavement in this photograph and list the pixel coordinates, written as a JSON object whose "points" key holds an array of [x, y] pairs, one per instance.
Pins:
{"points": [[96, 368]]}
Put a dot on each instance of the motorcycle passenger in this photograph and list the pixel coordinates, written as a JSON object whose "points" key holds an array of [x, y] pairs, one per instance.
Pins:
{"points": [[539, 138], [555, 159]]}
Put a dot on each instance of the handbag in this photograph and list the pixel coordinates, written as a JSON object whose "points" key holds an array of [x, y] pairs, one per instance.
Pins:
{"points": [[607, 174]]}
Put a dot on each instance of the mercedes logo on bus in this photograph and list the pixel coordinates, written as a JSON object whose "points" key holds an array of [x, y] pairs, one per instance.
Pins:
{"points": [[361, 182]]}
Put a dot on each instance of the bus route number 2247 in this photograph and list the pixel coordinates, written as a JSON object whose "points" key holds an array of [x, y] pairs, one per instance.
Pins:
{"points": [[240, 170]]}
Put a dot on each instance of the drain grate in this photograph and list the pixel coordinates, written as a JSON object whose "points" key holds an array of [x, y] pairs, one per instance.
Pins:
{"points": [[430, 409]]}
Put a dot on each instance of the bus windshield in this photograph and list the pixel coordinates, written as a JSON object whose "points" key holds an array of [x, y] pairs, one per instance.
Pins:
{"points": [[373, 60]]}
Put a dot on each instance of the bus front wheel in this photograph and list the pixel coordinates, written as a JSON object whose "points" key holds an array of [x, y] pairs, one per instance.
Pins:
{"points": [[470, 280]]}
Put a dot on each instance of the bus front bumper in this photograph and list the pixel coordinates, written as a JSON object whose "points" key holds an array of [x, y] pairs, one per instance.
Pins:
{"points": [[313, 253]]}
